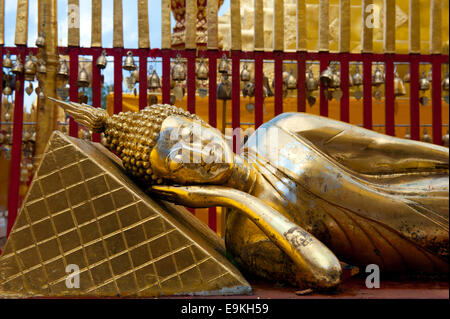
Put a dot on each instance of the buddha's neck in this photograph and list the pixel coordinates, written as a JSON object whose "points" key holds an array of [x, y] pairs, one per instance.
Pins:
{"points": [[243, 176]]}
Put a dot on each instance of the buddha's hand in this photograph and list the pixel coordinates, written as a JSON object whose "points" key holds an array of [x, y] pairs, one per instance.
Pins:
{"points": [[317, 266]]}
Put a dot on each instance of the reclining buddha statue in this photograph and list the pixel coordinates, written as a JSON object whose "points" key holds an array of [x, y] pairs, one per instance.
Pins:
{"points": [[304, 193]]}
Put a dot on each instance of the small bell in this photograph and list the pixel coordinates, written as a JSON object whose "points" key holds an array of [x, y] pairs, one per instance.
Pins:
{"points": [[224, 89], [178, 71], [63, 70], [266, 86], [40, 41], [83, 78], [7, 117], [129, 64], [311, 83], [425, 137], [7, 63], [445, 83], [29, 68], [430, 75], [445, 140], [424, 83], [350, 81], [249, 89], [407, 134], [407, 77], [154, 81], [7, 90], [135, 75], [326, 77], [377, 77], [245, 74], [335, 79], [291, 81], [202, 71], [399, 87], [101, 61], [357, 77], [18, 66], [223, 65], [42, 68]]}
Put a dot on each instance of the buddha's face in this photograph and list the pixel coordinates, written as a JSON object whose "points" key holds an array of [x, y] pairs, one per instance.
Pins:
{"points": [[191, 152]]}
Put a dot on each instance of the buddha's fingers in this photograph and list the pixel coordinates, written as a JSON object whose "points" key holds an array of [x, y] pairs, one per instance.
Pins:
{"points": [[317, 266]]}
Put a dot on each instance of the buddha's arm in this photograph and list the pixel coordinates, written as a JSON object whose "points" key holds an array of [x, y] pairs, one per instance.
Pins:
{"points": [[317, 265], [365, 151]]}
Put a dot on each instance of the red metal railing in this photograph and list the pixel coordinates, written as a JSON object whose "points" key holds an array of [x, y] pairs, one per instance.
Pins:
{"points": [[236, 56]]}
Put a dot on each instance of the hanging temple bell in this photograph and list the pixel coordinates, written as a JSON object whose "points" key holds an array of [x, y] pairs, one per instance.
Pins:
{"points": [[63, 70], [245, 74], [399, 87], [202, 71], [223, 65], [29, 68], [18, 66], [129, 64], [7, 63], [101, 60], [83, 78], [154, 81], [178, 71]]}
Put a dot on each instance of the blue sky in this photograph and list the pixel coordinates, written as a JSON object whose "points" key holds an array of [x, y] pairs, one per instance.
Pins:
{"points": [[130, 22]]}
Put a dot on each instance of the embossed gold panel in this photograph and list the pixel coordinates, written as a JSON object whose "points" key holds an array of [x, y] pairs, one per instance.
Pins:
{"points": [[82, 209]]}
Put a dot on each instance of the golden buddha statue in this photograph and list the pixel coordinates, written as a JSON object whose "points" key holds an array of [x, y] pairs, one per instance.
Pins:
{"points": [[303, 190]]}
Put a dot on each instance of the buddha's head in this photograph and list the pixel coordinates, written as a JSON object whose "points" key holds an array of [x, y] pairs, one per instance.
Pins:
{"points": [[190, 151], [161, 143]]}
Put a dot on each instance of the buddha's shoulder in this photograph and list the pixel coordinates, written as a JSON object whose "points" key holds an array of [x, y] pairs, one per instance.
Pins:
{"points": [[299, 121]]}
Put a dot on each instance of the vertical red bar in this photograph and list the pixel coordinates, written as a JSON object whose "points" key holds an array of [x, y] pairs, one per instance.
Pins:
{"points": [[236, 100], [323, 59], [118, 77], [191, 81], [259, 81], [437, 99], [96, 88], [278, 83], [212, 60], [345, 99], [16, 149], [414, 97], [367, 91], [165, 76], [1, 82], [301, 82], [142, 79], [73, 87], [389, 95]]}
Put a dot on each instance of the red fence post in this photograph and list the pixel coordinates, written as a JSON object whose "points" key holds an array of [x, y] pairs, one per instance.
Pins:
{"points": [[278, 83], [16, 149], [96, 88], [301, 82], [259, 91], [236, 99], [389, 95], [118, 77], [414, 97], [345, 100], [165, 76], [143, 79], [367, 90], [191, 78], [212, 61], [73, 87], [323, 59], [437, 99], [1, 81]]}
